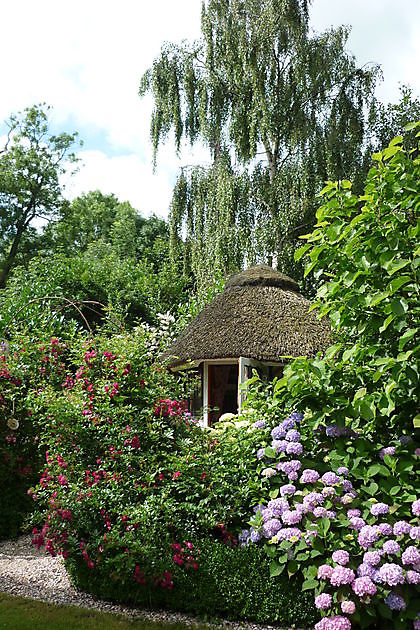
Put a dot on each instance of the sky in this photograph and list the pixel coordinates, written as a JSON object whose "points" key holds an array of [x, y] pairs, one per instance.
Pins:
{"points": [[85, 58]]}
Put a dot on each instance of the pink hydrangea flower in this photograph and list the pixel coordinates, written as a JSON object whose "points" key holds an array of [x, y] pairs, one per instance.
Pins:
{"points": [[391, 574], [323, 601], [411, 556], [341, 575], [348, 607], [363, 586], [341, 557], [415, 508], [333, 623], [324, 572]]}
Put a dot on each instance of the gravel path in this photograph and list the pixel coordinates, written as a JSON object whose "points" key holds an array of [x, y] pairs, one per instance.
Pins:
{"points": [[27, 572]]}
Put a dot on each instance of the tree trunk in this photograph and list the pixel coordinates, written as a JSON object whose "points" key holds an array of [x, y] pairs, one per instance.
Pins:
{"points": [[8, 263]]}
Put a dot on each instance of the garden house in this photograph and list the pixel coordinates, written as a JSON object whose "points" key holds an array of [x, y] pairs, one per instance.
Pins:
{"points": [[260, 321]]}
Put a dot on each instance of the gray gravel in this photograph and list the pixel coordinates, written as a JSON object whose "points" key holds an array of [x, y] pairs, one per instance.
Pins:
{"points": [[27, 572]]}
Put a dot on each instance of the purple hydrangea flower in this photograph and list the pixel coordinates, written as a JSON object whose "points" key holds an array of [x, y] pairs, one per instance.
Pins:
{"points": [[341, 575], [391, 547], [367, 536], [288, 423], [372, 557], [411, 556], [348, 607], [415, 507], [287, 489], [259, 424], [328, 491], [294, 448], [330, 514], [343, 470], [388, 450], [333, 623], [319, 512], [385, 529], [254, 536], [363, 586], [324, 572], [341, 557], [330, 478], [290, 533], [412, 577], [309, 476], [260, 453], [278, 433], [293, 476], [269, 472], [395, 601], [415, 533], [290, 467], [347, 485], [271, 527], [323, 601], [391, 574], [267, 513], [279, 446], [278, 506], [313, 498], [352, 513], [296, 416], [401, 528], [347, 498], [291, 517], [356, 523], [293, 436], [379, 508], [366, 570]]}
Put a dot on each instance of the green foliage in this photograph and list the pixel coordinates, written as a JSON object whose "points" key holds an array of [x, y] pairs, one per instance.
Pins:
{"points": [[257, 83], [31, 164]]}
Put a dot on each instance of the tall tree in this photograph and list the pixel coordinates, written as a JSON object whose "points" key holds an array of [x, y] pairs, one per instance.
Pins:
{"points": [[280, 110], [31, 163]]}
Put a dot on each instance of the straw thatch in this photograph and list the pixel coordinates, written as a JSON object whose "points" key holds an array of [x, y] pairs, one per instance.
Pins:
{"points": [[259, 315]]}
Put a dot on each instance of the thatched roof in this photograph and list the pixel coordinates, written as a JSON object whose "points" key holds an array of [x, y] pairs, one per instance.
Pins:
{"points": [[259, 315]]}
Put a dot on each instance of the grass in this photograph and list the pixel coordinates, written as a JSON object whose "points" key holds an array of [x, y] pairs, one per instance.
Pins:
{"points": [[17, 613]]}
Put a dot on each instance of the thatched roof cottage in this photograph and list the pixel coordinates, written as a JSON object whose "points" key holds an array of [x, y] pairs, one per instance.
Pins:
{"points": [[259, 321]]}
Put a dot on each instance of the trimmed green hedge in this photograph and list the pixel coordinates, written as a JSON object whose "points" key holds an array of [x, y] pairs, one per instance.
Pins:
{"points": [[229, 582]]}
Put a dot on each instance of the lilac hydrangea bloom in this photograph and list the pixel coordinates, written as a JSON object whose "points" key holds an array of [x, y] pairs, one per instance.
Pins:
{"points": [[288, 423], [347, 485], [293, 436], [401, 528], [260, 453], [391, 547], [330, 514], [323, 601], [372, 557], [292, 517], [385, 529], [328, 491], [313, 498], [415, 533], [391, 574], [330, 478], [267, 513], [348, 607], [259, 424], [341, 575], [388, 450], [366, 570], [356, 523], [411, 556], [324, 572], [289, 467], [254, 536], [341, 557], [333, 623], [296, 416], [287, 489], [279, 446], [319, 512], [343, 470], [352, 513], [415, 507], [294, 448], [363, 586], [309, 476], [412, 577], [243, 536], [395, 601], [379, 508], [289, 533], [293, 476], [278, 433], [367, 536], [271, 528], [278, 506]]}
